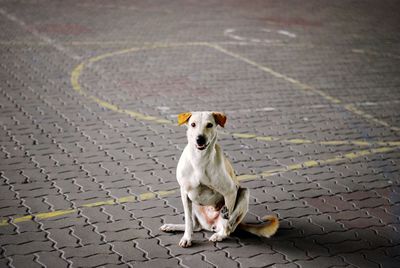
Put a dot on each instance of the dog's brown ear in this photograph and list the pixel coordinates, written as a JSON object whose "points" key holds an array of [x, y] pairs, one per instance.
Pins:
{"points": [[183, 118], [220, 118]]}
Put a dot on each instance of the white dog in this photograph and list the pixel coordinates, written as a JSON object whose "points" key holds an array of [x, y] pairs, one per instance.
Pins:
{"points": [[211, 196]]}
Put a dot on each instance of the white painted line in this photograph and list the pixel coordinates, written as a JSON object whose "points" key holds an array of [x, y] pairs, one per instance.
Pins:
{"points": [[232, 33], [283, 32]]}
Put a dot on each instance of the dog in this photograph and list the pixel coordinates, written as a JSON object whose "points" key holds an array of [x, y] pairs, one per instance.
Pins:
{"points": [[211, 195]]}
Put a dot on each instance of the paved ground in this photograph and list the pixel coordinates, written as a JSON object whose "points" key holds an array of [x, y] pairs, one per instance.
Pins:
{"points": [[88, 144]]}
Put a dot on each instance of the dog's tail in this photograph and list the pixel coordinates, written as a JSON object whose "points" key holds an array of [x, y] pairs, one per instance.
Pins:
{"points": [[266, 229]]}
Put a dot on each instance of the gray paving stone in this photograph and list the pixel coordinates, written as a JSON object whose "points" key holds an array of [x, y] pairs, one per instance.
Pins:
{"points": [[28, 248], [262, 260], [24, 261], [116, 226], [152, 248], [96, 260], [249, 250], [220, 259], [359, 260], [52, 259], [334, 261], [197, 260], [63, 237], [21, 238], [129, 251], [86, 234], [288, 248], [86, 251], [157, 263], [126, 234]]}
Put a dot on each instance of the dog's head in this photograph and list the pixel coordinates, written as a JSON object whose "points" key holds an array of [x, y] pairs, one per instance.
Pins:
{"points": [[202, 127]]}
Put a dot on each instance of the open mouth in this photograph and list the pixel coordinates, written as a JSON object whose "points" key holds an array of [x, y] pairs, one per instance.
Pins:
{"points": [[201, 147]]}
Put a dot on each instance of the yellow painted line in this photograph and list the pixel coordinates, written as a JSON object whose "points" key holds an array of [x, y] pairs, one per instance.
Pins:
{"points": [[303, 86], [306, 141], [150, 195], [125, 199], [317, 163]]}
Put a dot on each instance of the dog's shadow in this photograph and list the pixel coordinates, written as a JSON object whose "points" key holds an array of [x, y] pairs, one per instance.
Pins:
{"points": [[290, 240]]}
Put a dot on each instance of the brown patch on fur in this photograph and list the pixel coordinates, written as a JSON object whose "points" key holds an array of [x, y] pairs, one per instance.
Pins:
{"points": [[183, 118], [219, 118]]}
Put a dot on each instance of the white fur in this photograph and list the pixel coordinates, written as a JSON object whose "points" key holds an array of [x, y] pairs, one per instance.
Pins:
{"points": [[206, 185]]}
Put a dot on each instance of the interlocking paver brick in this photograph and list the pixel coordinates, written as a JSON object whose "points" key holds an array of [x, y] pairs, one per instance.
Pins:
{"points": [[126, 234], [87, 250], [360, 223], [197, 260], [116, 226], [220, 259], [129, 251], [311, 247], [372, 203], [248, 250], [200, 243], [29, 248], [157, 263], [52, 259], [290, 251], [347, 246], [336, 237], [262, 260], [374, 238], [152, 248], [86, 234], [323, 262], [359, 260], [378, 256], [153, 212], [24, 261], [21, 238], [63, 237], [96, 260]]}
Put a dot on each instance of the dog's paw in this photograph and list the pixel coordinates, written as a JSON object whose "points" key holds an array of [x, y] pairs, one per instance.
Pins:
{"points": [[224, 212], [167, 228], [185, 242], [217, 237]]}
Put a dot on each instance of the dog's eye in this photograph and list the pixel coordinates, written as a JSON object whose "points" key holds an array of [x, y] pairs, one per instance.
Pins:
{"points": [[193, 124], [209, 125]]}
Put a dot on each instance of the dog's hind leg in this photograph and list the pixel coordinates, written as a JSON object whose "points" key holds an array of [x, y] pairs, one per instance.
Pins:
{"points": [[241, 208], [227, 226]]}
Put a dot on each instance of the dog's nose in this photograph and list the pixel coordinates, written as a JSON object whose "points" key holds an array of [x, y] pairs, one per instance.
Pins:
{"points": [[201, 140]]}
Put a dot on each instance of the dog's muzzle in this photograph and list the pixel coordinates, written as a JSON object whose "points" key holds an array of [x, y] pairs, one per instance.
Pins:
{"points": [[201, 142]]}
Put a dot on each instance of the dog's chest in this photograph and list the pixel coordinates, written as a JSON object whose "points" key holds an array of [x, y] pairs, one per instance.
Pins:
{"points": [[204, 195]]}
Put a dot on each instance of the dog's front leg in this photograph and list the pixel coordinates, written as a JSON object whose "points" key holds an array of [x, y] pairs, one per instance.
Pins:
{"points": [[186, 240]]}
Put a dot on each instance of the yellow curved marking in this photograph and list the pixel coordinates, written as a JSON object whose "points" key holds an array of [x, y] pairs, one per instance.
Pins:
{"points": [[77, 71]]}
